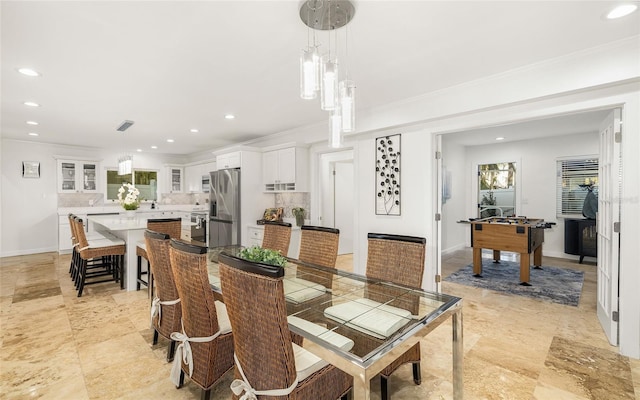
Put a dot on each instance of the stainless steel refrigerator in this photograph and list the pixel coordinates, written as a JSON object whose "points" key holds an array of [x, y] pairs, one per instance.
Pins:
{"points": [[224, 200]]}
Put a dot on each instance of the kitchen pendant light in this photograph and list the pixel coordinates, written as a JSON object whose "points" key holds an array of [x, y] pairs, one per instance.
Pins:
{"points": [[336, 96], [335, 128], [125, 162], [329, 87], [347, 105]]}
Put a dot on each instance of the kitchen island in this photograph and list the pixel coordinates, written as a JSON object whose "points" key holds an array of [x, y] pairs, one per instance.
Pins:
{"points": [[131, 230]]}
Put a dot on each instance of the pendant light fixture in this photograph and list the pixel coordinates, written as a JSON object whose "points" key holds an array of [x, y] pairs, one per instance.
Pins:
{"points": [[125, 162], [336, 96]]}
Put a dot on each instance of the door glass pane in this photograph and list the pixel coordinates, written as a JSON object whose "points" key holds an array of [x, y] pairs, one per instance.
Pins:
{"points": [[496, 189]]}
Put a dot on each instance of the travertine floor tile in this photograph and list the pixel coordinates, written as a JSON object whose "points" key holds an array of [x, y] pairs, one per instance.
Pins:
{"points": [[99, 346]]}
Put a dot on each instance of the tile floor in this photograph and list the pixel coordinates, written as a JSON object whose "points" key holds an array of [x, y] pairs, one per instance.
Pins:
{"points": [[58, 346]]}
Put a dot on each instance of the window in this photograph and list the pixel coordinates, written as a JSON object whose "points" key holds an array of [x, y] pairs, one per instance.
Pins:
{"points": [[574, 178], [496, 189], [145, 181]]}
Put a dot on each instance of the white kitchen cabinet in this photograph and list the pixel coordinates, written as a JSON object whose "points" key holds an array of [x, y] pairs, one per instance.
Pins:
{"points": [[228, 160], [175, 179], [192, 178], [256, 234], [285, 170], [77, 176]]}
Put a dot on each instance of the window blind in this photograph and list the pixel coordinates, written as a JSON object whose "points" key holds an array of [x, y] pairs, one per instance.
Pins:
{"points": [[571, 174]]}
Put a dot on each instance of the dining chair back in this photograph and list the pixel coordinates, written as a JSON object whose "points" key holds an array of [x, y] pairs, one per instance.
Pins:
{"points": [[166, 309], [205, 325], [399, 259], [266, 359], [277, 236], [170, 226], [319, 245]]}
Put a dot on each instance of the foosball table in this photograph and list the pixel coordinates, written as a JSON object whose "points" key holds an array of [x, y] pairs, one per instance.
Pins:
{"points": [[516, 234]]}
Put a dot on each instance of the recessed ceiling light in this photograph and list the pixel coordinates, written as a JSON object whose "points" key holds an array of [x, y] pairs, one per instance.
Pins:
{"points": [[194, 130], [31, 104], [33, 134], [154, 147], [32, 123], [500, 138], [622, 11], [139, 150], [170, 140], [229, 116], [28, 72]]}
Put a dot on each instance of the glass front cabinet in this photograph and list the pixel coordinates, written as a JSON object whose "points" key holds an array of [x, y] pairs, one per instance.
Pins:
{"points": [[77, 176]]}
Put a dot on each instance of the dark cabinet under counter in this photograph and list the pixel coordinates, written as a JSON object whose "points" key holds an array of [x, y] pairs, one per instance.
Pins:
{"points": [[581, 237]]}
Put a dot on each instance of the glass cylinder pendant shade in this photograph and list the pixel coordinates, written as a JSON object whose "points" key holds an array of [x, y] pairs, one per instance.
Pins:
{"points": [[347, 99], [329, 84], [335, 129], [309, 73], [125, 165]]}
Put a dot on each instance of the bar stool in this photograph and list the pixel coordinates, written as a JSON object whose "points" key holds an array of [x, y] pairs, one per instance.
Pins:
{"points": [[110, 252]]}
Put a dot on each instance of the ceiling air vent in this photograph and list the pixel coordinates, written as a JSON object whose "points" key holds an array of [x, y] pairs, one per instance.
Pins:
{"points": [[125, 125]]}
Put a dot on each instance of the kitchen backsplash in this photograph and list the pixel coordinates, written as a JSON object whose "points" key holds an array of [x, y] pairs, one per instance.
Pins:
{"points": [[290, 200]]}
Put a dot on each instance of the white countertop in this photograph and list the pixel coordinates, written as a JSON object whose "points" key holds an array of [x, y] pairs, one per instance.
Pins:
{"points": [[145, 208], [121, 223]]}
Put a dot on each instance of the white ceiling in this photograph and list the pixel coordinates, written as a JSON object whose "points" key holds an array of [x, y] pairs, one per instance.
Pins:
{"points": [[172, 66]]}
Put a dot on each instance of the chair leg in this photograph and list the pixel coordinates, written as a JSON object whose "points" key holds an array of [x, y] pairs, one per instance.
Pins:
{"points": [[121, 270], [82, 272], [171, 351], [139, 272], [155, 337], [206, 394], [181, 383], [384, 389], [417, 376]]}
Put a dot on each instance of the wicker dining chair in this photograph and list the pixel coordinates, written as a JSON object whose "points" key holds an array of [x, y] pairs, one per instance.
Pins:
{"points": [[277, 236], [166, 309], [318, 246], [398, 259], [98, 258], [266, 359], [205, 324], [170, 226]]}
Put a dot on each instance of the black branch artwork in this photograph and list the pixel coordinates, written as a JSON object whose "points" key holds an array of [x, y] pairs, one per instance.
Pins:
{"points": [[388, 175]]}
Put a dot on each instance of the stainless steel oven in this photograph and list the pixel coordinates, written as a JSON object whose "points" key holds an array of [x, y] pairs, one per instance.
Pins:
{"points": [[199, 222]]}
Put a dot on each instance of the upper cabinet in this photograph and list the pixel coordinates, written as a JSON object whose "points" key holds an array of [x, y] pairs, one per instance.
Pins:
{"points": [[285, 170], [175, 178], [77, 176], [229, 160]]}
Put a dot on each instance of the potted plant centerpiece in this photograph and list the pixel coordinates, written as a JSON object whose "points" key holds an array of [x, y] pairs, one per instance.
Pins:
{"points": [[263, 256], [298, 212], [129, 198]]}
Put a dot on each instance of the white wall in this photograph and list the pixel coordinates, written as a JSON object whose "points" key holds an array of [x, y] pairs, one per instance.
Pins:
{"points": [[455, 208], [535, 180], [416, 178], [29, 206]]}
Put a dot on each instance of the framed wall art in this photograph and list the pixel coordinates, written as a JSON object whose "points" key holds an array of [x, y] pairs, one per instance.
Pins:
{"points": [[388, 175], [30, 169]]}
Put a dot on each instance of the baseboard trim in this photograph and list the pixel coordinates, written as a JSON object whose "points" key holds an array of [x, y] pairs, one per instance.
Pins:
{"points": [[452, 249], [26, 252]]}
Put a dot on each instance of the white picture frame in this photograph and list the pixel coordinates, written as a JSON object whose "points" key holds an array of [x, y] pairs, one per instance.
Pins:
{"points": [[31, 169]]}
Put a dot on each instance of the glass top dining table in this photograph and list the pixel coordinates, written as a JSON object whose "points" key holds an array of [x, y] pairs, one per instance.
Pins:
{"points": [[358, 324]]}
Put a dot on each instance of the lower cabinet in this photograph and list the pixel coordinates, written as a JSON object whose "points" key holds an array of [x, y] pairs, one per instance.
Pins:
{"points": [[256, 233]]}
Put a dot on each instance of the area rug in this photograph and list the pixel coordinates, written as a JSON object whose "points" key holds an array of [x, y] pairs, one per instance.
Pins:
{"points": [[558, 285]]}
